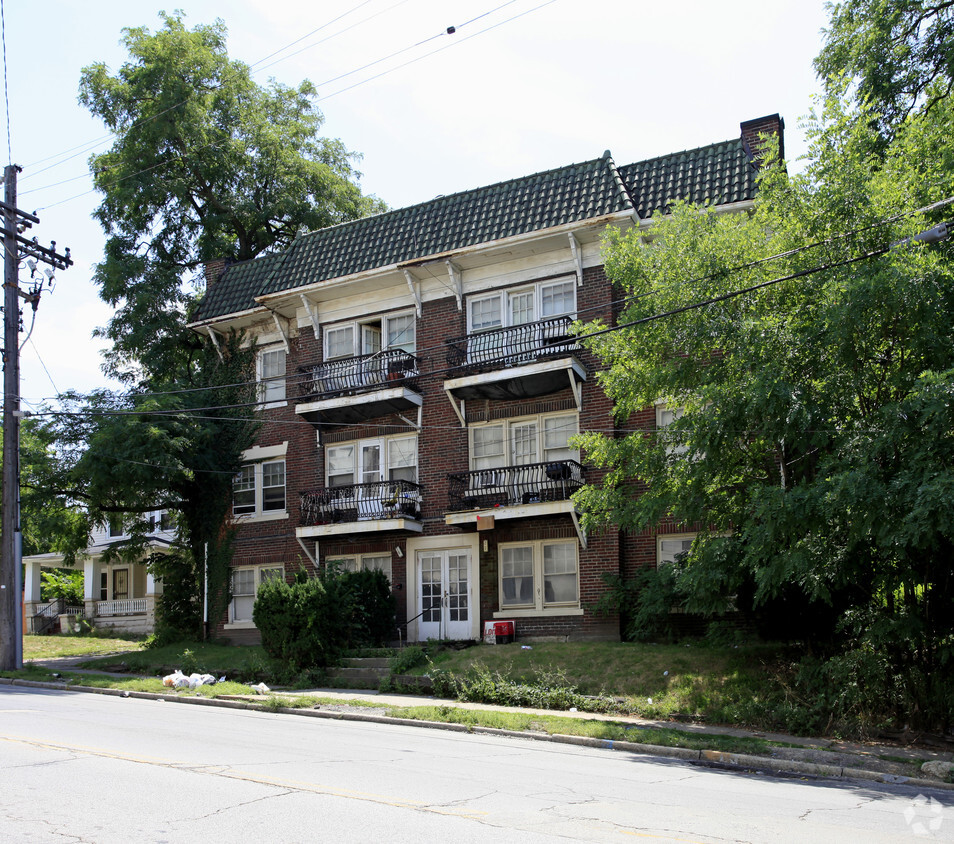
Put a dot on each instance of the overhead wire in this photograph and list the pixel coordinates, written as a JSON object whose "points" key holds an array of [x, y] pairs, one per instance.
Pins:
{"points": [[442, 346], [362, 82]]}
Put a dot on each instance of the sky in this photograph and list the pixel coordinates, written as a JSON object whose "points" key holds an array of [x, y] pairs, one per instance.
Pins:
{"points": [[520, 87]]}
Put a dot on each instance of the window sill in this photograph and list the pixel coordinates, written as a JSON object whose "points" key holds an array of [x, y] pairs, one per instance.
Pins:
{"points": [[252, 518], [241, 625], [535, 613], [274, 404]]}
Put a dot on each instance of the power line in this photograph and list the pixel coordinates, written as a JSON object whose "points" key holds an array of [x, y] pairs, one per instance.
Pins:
{"points": [[602, 306], [362, 82]]}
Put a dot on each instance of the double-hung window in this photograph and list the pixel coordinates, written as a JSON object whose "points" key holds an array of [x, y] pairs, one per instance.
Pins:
{"points": [[245, 584], [669, 549], [270, 367], [258, 489], [532, 306], [372, 460], [519, 442], [539, 575], [367, 337], [362, 562], [374, 476]]}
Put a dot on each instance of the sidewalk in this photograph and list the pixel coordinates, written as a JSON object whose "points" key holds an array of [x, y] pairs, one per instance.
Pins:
{"points": [[809, 757]]}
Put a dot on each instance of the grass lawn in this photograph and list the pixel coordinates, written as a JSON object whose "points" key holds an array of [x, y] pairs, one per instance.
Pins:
{"points": [[67, 644], [699, 681], [716, 684]]}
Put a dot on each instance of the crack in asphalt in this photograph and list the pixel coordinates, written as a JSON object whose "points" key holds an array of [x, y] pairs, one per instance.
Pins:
{"points": [[234, 806]]}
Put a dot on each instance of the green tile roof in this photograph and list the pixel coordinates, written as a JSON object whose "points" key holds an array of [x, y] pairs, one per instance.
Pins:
{"points": [[718, 173], [712, 175]]}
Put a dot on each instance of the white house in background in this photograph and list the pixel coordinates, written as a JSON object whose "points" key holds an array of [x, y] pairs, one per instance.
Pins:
{"points": [[119, 595]]}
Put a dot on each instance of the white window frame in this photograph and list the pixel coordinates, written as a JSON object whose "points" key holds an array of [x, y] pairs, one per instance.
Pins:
{"points": [[258, 487], [504, 296], [381, 323], [669, 557], [506, 455], [259, 575], [538, 603], [271, 388], [386, 449], [361, 562]]}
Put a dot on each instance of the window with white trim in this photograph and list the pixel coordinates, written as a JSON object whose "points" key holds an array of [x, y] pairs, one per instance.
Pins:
{"points": [[673, 547], [539, 575], [259, 489], [367, 461], [270, 370], [366, 337], [245, 584], [362, 562], [518, 442], [523, 305], [666, 415]]}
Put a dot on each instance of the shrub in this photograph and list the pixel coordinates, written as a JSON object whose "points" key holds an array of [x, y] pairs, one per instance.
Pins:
{"points": [[309, 623], [367, 604], [298, 622]]}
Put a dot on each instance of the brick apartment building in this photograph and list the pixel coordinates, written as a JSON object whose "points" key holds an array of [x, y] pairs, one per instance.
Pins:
{"points": [[420, 391]]}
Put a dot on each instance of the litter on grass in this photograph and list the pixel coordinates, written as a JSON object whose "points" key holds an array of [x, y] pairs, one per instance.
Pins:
{"points": [[178, 680]]}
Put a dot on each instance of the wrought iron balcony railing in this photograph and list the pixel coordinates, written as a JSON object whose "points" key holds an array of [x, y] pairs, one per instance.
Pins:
{"points": [[360, 502], [508, 486], [349, 376], [548, 338]]}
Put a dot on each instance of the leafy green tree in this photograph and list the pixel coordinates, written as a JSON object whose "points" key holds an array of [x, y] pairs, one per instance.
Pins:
{"points": [[898, 53], [206, 164], [815, 453], [49, 522]]}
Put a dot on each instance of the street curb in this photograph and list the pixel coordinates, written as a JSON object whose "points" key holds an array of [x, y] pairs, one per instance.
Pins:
{"points": [[711, 758]]}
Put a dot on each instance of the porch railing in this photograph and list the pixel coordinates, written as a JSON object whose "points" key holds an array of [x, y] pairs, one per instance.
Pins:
{"points": [[390, 367], [124, 606], [359, 502], [511, 346], [508, 486], [45, 618]]}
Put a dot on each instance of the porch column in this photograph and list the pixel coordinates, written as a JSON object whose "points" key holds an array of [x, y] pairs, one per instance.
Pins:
{"points": [[31, 581], [153, 588], [90, 586]]}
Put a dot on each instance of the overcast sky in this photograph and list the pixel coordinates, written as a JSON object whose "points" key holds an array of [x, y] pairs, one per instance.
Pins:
{"points": [[520, 87]]}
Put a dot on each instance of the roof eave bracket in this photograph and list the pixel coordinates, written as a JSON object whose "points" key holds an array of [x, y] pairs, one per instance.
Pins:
{"points": [[312, 315], [415, 287], [457, 283], [577, 251], [215, 342], [282, 332]]}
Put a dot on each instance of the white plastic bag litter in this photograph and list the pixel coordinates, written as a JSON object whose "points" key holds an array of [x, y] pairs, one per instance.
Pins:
{"points": [[173, 679], [196, 680], [261, 688]]}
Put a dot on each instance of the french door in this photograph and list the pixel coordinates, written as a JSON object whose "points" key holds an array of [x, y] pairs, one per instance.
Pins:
{"points": [[444, 594]]}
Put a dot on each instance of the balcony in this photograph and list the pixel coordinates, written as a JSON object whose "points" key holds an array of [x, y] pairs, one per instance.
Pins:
{"points": [[518, 362], [353, 390], [515, 486], [361, 508]]}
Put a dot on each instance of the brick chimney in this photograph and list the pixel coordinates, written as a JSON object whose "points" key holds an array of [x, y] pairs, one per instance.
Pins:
{"points": [[214, 270], [771, 124]]}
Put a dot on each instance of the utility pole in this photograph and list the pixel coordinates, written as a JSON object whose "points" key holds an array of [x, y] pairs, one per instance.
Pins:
{"points": [[11, 574]]}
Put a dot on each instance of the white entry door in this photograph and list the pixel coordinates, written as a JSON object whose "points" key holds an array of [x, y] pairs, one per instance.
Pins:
{"points": [[444, 594]]}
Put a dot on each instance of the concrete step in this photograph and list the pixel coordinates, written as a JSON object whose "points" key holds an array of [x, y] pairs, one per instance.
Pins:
{"points": [[366, 662], [358, 673]]}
